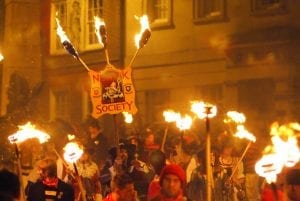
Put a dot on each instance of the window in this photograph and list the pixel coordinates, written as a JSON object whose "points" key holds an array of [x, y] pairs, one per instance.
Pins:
{"points": [[159, 13], [77, 19], [61, 105], [157, 101], [268, 6], [210, 93], [209, 11]]}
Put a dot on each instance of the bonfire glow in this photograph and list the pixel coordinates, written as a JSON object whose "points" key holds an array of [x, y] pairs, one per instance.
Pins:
{"points": [[28, 131], [72, 152], [203, 110]]}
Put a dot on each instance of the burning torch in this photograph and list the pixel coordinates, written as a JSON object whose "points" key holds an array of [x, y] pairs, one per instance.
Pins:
{"points": [[206, 111], [68, 45], [100, 31], [25, 132], [170, 116], [142, 38], [72, 153]]}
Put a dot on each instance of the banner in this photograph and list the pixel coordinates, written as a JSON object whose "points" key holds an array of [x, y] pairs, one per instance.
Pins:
{"points": [[112, 91]]}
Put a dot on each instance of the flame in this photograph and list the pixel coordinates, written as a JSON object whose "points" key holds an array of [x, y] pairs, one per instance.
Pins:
{"points": [[204, 110], [72, 152], [144, 28], [268, 167], [28, 131], [60, 32], [71, 137], [171, 116], [184, 123], [98, 24], [242, 132], [1, 57], [236, 117], [285, 143], [128, 117]]}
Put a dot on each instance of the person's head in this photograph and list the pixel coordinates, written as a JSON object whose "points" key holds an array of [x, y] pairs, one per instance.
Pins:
{"points": [[157, 160], [9, 184], [123, 186], [94, 129], [293, 184], [47, 168], [172, 180], [150, 138]]}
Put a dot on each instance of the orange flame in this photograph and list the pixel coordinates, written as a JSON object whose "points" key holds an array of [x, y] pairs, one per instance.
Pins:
{"points": [[128, 117], [28, 131], [72, 152], [1, 57], [184, 123], [243, 133], [71, 137], [98, 23], [144, 26], [203, 110], [236, 117], [171, 116], [60, 32]]}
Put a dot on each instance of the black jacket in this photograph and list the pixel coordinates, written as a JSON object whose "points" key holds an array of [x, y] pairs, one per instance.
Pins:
{"points": [[40, 192]]}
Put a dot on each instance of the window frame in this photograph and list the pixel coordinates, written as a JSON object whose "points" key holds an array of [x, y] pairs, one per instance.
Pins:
{"points": [[209, 18], [268, 10], [84, 39], [159, 23]]}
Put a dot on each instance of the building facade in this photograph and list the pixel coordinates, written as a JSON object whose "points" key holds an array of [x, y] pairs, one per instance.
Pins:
{"points": [[239, 55]]}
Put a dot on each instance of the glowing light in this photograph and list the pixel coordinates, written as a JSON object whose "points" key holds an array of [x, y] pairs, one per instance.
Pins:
{"points": [[236, 117], [72, 152], [171, 116], [128, 117], [100, 30], [28, 131], [243, 133], [142, 38], [1, 57], [184, 123], [268, 167], [203, 110], [71, 137]]}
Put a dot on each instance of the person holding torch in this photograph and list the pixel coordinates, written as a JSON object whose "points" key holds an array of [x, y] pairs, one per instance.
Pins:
{"points": [[49, 187]]}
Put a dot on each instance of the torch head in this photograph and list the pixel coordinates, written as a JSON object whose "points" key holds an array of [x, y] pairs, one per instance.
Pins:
{"points": [[145, 37], [103, 34], [69, 47]]}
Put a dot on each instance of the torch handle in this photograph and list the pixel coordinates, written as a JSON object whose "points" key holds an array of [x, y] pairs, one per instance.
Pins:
{"points": [[81, 187], [83, 63], [63, 161], [107, 57], [240, 159], [22, 195], [164, 139], [133, 58]]}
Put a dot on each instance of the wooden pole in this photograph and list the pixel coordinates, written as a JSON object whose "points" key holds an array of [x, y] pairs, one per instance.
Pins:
{"points": [[208, 162], [81, 187], [162, 148], [22, 192]]}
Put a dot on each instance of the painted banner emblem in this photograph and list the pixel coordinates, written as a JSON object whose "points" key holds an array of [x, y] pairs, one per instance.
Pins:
{"points": [[112, 91]]}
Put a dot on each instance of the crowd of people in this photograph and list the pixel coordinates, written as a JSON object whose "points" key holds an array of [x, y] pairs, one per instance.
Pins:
{"points": [[140, 170]]}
